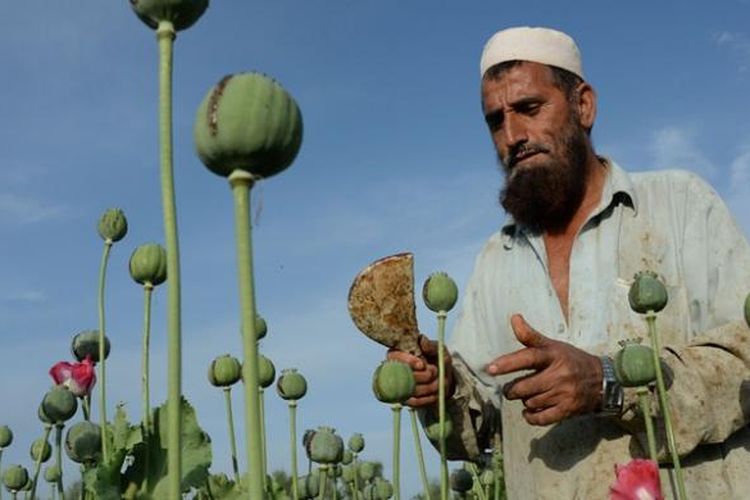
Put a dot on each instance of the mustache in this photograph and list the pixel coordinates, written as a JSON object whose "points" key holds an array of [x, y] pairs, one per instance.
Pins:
{"points": [[522, 150]]}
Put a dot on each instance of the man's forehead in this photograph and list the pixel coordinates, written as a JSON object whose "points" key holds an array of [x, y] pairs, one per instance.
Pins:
{"points": [[525, 77]]}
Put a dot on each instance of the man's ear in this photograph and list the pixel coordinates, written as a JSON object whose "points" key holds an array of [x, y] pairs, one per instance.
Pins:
{"points": [[586, 102]]}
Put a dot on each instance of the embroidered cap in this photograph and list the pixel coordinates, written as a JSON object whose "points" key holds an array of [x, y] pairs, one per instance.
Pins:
{"points": [[540, 45]]}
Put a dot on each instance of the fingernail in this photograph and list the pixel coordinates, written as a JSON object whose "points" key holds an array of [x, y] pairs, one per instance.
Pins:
{"points": [[491, 369], [420, 365]]}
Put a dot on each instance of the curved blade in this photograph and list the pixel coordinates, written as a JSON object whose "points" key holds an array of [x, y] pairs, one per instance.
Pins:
{"points": [[381, 302]]}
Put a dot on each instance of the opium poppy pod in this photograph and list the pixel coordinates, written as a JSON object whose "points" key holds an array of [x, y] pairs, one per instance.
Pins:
{"points": [[248, 122], [83, 442], [52, 473], [393, 382], [86, 344], [148, 264], [181, 13], [634, 365], [40, 448], [647, 293], [266, 372], [440, 292], [59, 404], [6, 436], [461, 481], [356, 442], [224, 371], [15, 477], [113, 226], [325, 446], [291, 385]]}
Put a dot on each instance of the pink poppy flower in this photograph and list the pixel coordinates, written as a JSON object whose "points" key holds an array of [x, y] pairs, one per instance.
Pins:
{"points": [[637, 480], [79, 378]]}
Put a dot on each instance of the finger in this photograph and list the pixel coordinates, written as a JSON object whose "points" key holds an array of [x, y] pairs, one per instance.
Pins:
{"points": [[413, 361], [525, 334], [421, 402], [547, 416], [530, 358], [426, 376], [426, 390], [527, 386], [427, 346], [539, 402]]}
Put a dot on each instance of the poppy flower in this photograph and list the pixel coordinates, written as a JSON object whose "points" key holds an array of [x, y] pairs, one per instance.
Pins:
{"points": [[79, 378], [636, 480]]}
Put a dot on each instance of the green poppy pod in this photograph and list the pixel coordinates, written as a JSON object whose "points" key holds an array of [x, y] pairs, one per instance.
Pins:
{"points": [[647, 293], [6, 436], [432, 427], [634, 365], [27, 486], [347, 473], [248, 122], [40, 448], [368, 492], [461, 481], [224, 371], [43, 417], [59, 404], [52, 473], [747, 309], [86, 344], [181, 13], [393, 382], [113, 226], [291, 385], [382, 489], [347, 457], [15, 478], [440, 292], [308, 486], [367, 471], [83, 443], [266, 372], [148, 264], [261, 327], [356, 443], [325, 446]]}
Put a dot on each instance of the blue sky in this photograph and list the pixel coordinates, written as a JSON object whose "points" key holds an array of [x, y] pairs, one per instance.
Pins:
{"points": [[395, 158]]}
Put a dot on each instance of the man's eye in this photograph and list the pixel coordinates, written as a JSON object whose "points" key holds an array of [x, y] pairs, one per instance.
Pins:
{"points": [[494, 121]]}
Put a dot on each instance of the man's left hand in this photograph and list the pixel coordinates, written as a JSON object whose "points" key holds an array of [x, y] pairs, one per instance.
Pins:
{"points": [[565, 381]]}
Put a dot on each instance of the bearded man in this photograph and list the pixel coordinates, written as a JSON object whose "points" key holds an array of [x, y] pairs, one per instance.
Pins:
{"points": [[530, 367]]}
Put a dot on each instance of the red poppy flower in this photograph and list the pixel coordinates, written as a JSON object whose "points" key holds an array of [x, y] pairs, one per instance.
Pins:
{"points": [[637, 480], [79, 378]]}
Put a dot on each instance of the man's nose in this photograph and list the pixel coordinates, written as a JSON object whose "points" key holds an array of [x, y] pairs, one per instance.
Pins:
{"points": [[514, 131]]}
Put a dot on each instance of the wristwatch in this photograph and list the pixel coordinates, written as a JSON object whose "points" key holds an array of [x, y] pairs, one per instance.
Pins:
{"points": [[612, 393]]}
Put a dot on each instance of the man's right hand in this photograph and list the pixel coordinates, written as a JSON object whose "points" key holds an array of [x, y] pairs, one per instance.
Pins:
{"points": [[425, 369]]}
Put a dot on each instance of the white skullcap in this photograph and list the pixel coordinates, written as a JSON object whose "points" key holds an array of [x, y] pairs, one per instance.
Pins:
{"points": [[540, 45]]}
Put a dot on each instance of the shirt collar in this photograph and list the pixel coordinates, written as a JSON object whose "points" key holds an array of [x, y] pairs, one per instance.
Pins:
{"points": [[618, 187]]}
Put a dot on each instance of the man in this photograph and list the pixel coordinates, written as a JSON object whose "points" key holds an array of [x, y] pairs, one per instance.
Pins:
{"points": [[547, 302]]}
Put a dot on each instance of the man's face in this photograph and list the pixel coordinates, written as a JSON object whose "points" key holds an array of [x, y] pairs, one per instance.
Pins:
{"points": [[540, 143]]}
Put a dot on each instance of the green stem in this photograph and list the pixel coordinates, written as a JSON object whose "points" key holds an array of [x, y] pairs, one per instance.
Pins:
{"points": [[262, 406], [396, 450], [241, 183], [38, 464], [147, 292], [642, 393], [165, 35], [497, 470], [441, 316], [322, 479], [664, 403], [293, 445], [58, 459], [86, 406], [102, 361], [1, 469], [420, 454], [232, 442], [356, 475], [477, 485]]}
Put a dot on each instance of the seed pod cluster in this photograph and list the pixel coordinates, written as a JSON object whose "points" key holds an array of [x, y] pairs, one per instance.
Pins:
{"points": [[378, 489], [224, 371], [86, 344], [393, 382], [324, 446], [647, 293], [440, 292]]}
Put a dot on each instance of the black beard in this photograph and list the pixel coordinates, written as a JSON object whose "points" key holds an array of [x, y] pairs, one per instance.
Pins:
{"points": [[545, 196]]}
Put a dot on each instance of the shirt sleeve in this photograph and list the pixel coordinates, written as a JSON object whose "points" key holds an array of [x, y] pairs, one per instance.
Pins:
{"points": [[708, 376]]}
